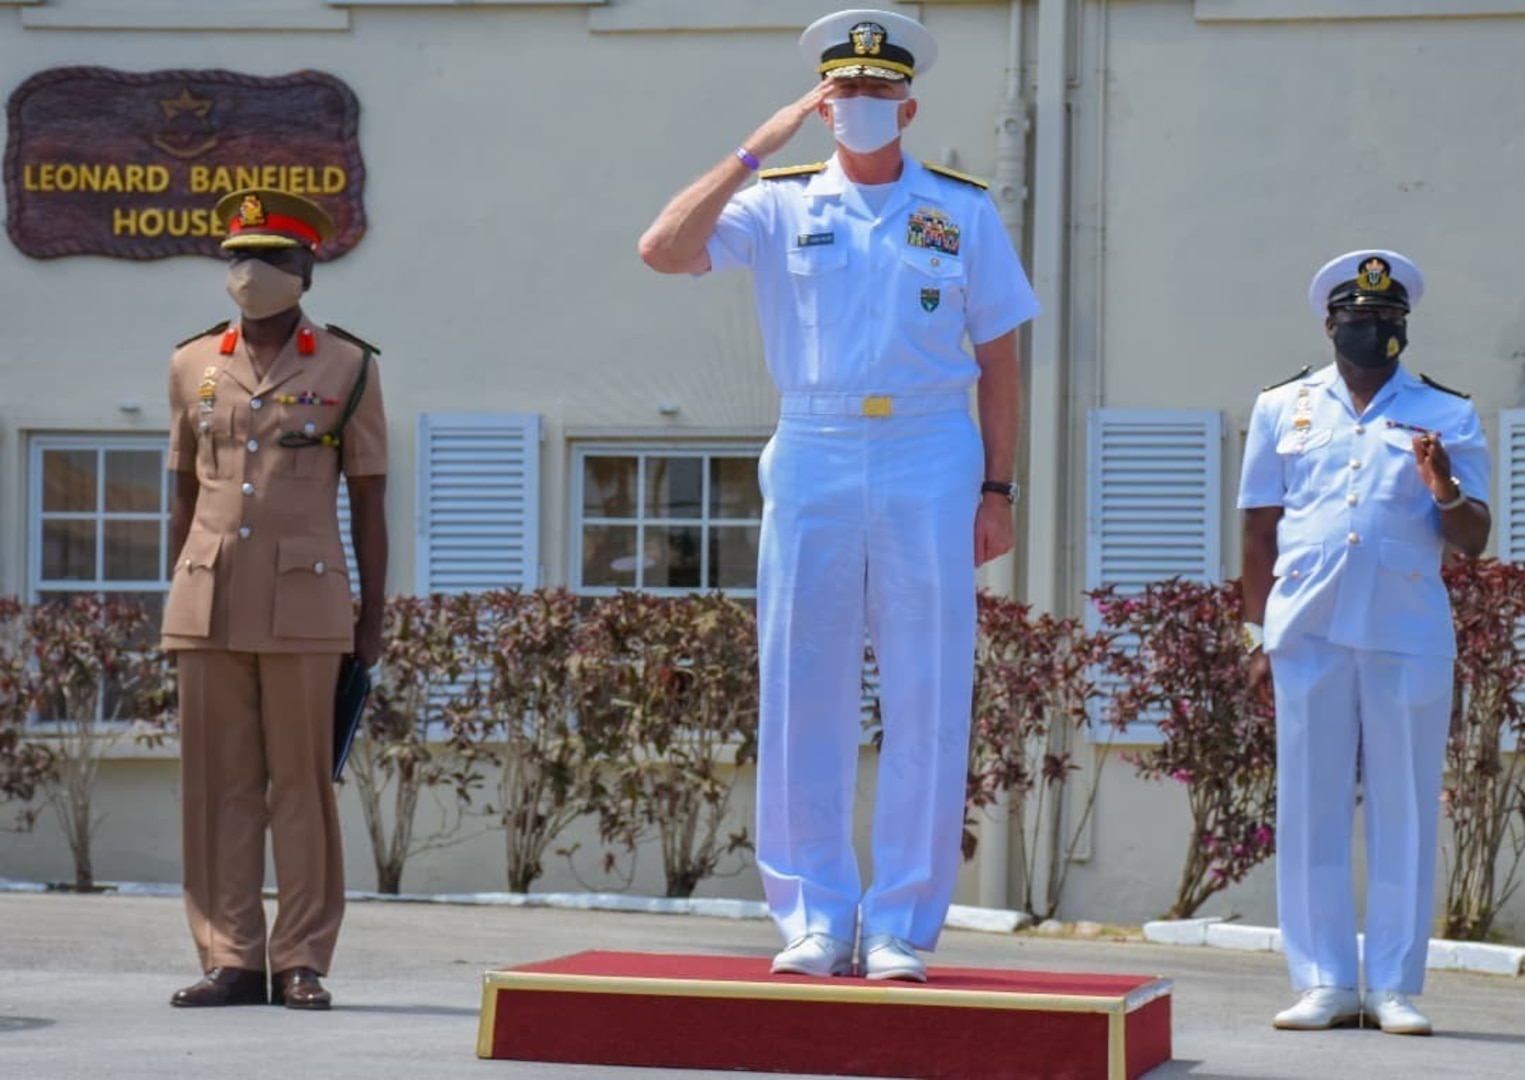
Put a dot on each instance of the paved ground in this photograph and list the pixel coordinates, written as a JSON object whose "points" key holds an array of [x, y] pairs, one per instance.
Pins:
{"points": [[85, 982]]}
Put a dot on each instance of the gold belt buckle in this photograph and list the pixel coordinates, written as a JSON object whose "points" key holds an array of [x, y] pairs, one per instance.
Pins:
{"points": [[878, 405]]}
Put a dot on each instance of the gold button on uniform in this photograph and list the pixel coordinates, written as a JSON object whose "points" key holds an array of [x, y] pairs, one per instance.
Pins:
{"points": [[248, 489], [319, 566], [1360, 429], [256, 403], [1353, 538], [1352, 499], [1355, 463], [243, 531], [253, 445]]}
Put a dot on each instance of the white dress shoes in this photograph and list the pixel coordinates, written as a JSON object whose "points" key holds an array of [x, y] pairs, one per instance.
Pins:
{"points": [[815, 954], [887, 957], [1320, 1008], [1395, 1014]]}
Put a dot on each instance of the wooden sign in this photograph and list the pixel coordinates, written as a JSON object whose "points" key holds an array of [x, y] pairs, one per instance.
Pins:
{"points": [[130, 165]]}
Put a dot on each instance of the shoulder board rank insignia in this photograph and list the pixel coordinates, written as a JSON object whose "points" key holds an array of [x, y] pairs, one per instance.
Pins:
{"points": [[954, 174], [339, 331], [785, 172], [208, 332], [1290, 378], [1432, 384]]}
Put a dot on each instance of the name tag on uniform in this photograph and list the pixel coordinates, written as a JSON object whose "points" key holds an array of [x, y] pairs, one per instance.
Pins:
{"points": [[816, 239]]}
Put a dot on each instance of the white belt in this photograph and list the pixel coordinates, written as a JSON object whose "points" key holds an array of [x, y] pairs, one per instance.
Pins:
{"points": [[874, 405]]}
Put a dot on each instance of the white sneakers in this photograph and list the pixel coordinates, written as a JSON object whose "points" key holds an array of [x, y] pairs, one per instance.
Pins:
{"points": [[1325, 1007], [1395, 1014], [1320, 1008], [887, 957], [821, 955]]}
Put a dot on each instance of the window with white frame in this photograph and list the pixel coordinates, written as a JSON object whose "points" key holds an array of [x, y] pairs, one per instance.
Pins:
{"points": [[98, 518], [668, 520]]}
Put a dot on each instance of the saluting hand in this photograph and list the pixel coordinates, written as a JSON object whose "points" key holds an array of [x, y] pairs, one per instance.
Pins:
{"points": [[779, 128], [1434, 466]]}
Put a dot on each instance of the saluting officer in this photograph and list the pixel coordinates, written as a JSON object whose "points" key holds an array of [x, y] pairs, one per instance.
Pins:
{"points": [[1355, 479], [265, 416], [881, 496]]}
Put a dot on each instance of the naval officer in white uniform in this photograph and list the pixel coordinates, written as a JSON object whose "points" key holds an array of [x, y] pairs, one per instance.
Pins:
{"points": [[881, 495], [1356, 478]]}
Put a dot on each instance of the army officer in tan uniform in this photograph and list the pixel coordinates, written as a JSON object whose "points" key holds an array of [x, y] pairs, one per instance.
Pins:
{"points": [[266, 415]]}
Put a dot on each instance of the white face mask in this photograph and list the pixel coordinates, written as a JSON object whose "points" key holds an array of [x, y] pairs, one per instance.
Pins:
{"points": [[866, 124], [260, 290]]}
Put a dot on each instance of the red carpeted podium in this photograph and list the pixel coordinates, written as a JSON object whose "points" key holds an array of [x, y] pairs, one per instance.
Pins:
{"points": [[721, 1012]]}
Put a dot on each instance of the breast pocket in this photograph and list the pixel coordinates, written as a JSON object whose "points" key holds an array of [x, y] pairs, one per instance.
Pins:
{"points": [[296, 425], [214, 442], [932, 287], [1398, 470], [820, 283]]}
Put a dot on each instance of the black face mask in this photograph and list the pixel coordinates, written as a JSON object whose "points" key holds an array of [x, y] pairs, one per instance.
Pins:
{"points": [[1370, 343]]}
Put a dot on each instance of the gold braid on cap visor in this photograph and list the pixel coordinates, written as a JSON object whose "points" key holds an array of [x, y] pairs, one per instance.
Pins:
{"points": [[867, 61]]}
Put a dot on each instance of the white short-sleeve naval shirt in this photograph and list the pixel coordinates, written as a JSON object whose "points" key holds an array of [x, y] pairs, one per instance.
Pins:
{"points": [[855, 301], [1359, 547]]}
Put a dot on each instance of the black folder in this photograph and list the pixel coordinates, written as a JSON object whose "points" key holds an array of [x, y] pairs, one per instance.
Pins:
{"points": [[349, 706]]}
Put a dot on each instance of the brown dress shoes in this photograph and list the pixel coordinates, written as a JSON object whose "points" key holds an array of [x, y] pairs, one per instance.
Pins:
{"points": [[224, 986], [299, 988]]}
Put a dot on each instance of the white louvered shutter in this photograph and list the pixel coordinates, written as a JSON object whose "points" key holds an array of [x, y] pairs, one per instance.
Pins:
{"points": [[1154, 505], [478, 502], [347, 540], [1510, 506]]}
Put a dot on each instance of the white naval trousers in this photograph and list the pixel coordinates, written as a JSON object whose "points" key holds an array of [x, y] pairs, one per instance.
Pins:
{"points": [[867, 522], [1396, 709]]}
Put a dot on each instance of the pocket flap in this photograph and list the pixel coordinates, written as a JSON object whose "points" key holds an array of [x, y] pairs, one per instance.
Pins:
{"points": [[312, 556], [1399, 439], [932, 263], [1298, 562], [200, 551], [817, 260], [1416, 560]]}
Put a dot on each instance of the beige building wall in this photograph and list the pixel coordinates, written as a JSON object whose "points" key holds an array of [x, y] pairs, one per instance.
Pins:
{"points": [[1214, 153]]}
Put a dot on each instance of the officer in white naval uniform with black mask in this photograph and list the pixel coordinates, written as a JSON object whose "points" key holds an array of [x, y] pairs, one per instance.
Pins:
{"points": [[881, 495], [1356, 478]]}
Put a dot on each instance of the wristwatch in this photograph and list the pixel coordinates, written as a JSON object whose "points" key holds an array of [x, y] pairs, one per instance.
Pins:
{"points": [[1010, 488]]}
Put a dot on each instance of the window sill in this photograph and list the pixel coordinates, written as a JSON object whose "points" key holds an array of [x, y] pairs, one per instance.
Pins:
{"points": [[1313, 10], [646, 16], [170, 15]]}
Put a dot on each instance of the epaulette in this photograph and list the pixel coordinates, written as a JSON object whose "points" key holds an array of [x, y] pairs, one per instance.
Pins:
{"points": [[339, 331], [1290, 378], [954, 174], [208, 332], [1444, 389], [787, 171]]}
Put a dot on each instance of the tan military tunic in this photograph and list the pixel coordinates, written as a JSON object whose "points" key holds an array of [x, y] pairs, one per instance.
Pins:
{"points": [[260, 611], [263, 567]]}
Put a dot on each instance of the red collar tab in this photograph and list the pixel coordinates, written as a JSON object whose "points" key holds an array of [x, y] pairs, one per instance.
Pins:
{"points": [[307, 341], [229, 341]]}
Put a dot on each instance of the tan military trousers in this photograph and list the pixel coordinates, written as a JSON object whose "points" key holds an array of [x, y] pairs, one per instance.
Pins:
{"points": [[256, 750]]}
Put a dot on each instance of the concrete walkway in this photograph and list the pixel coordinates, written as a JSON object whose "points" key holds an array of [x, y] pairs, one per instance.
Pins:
{"points": [[85, 983]]}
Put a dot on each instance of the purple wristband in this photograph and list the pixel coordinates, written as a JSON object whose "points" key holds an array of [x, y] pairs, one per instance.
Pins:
{"points": [[746, 158]]}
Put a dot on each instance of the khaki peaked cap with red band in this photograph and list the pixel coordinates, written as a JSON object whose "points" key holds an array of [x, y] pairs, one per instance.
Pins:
{"points": [[263, 218]]}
